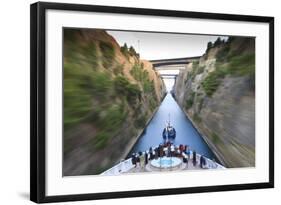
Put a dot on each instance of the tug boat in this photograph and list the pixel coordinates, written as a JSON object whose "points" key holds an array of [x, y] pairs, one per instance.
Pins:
{"points": [[169, 132]]}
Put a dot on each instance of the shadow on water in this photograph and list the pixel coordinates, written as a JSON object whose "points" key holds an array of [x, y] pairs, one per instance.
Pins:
{"points": [[186, 133]]}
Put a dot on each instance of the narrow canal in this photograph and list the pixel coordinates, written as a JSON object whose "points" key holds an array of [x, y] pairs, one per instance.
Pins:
{"points": [[186, 133]]}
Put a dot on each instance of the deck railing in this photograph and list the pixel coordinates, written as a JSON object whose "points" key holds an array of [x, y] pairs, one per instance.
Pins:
{"points": [[122, 167], [125, 165]]}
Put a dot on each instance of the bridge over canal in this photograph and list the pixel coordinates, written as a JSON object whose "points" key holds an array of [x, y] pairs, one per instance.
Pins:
{"points": [[173, 63], [170, 68]]}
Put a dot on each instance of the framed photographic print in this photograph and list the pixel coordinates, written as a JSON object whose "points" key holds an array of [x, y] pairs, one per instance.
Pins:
{"points": [[129, 102]]}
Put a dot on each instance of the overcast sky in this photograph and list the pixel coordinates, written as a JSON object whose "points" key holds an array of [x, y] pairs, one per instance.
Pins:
{"points": [[162, 45]]}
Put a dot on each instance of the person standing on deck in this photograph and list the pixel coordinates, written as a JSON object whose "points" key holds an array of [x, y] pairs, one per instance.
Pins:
{"points": [[151, 156], [204, 161], [161, 151], [137, 160], [141, 160], [172, 150], [169, 151], [201, 161], [194, 158], [156, 153], [187, 150], [146, 158], [134, 160]]}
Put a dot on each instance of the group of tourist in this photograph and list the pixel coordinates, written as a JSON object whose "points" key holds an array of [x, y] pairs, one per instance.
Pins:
{"points": [[140, 159], [167, 149]]}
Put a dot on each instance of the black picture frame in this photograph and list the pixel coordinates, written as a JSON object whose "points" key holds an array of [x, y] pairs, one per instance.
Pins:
{"points": [[38, 100]]}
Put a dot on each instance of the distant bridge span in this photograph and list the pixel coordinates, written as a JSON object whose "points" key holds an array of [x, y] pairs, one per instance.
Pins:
{"points": [[171, 76], [173, 63]]}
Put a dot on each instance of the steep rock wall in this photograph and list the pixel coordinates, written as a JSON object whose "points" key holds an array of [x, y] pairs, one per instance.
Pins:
{"points": [[218, 95], [109, 95]]}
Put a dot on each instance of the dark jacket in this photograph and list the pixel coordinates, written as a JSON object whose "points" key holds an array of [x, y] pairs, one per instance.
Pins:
{"points": [[194, 157]]}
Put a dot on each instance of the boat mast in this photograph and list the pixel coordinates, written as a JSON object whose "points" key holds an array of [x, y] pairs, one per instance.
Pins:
{"points": [[169, 120]]}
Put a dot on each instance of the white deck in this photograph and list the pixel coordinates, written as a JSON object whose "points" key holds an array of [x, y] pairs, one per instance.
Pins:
{"points": [[126, 166]]}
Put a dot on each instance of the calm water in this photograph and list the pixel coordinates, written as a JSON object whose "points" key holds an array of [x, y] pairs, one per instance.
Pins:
{"points": [[186, 133]]}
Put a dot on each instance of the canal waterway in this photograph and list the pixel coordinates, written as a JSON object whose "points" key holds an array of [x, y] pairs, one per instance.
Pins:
{"points": [[185, 132]]}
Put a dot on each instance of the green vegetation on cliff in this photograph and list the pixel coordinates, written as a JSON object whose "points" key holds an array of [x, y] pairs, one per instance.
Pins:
{"points": [[190, 100], [229, 62], [218, 94], [211, 83], [104, 106], [109, 122], [127, 52], [142, 75], [124, 87], [108, 53], [196, 70]]}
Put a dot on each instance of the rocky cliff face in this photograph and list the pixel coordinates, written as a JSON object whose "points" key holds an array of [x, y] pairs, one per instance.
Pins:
{"points": [[218, 94], [109, 95]]}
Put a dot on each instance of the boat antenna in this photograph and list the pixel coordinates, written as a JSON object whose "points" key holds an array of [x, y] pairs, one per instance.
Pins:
{"points": [[169, 119]]}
